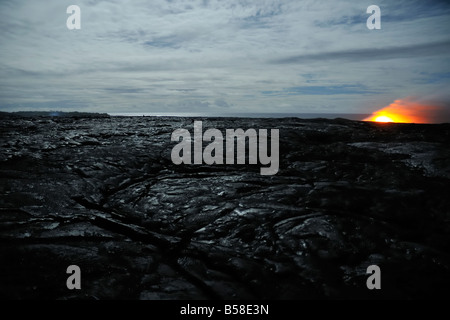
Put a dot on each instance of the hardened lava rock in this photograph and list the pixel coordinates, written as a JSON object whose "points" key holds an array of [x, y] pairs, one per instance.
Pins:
{"points": [[103, 194]]}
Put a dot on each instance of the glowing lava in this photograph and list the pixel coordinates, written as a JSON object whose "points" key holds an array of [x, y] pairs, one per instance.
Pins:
{"points": [[386, 116], [405, 111], [383, 119]]}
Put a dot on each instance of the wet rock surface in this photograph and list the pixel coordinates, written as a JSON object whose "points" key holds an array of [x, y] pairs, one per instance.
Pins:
{"points": [[104, 194]]}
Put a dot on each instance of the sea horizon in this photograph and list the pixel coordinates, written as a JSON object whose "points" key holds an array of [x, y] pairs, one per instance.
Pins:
{"points": [[349, 116]]}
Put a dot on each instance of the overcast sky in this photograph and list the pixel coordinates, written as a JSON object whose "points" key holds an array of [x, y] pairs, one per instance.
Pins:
{"points": [[222, 56]]}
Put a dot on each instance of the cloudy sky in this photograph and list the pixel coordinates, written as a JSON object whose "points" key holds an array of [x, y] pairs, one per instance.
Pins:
{"points": [[222, 56]]}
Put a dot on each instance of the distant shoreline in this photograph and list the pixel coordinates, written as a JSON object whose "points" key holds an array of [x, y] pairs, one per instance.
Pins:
{"points": [[349, 116], [60, 114], [80, 115], [75, 114]]}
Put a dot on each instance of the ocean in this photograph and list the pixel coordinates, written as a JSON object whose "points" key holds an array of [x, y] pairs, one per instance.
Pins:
{"points": [[350, 116]]}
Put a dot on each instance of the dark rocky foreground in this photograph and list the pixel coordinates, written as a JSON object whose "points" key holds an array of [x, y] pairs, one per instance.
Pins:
{"points": [[103, 194]]}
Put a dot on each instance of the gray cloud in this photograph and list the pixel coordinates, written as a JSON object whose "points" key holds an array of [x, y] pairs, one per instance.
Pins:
{"points": [[221, 103], [322, 90], [371, 54], [242, 55]]}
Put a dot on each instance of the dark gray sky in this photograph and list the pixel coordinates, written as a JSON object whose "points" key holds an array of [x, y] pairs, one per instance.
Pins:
{"points": [[222, 56]]}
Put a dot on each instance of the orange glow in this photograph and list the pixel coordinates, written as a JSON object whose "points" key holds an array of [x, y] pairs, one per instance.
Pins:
{"points": [[406, 111], [383, 119]]}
